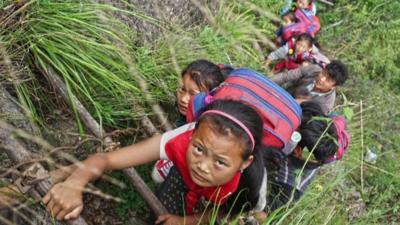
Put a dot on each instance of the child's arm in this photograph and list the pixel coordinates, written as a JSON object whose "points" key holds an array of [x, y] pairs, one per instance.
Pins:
{"points": [[169, 219], [62, 173], [289, 76], [319, 58], [64, 200], [280, 53]]}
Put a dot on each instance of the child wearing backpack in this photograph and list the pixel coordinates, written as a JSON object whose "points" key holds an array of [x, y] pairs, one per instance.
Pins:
{"points": [[306, 20], [199, 76], [288, 28], [308, 5], [321, 83], [217, 159], [327, 140], [297, 51]]}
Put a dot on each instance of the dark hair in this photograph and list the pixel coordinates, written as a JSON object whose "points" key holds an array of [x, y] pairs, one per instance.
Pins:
{"points": [[312, 128], [225, 69], [242, 112], [305, 37], [337, 71], [317, 44], [291, 15], [302, 92], [204, 73], [247, 194]]}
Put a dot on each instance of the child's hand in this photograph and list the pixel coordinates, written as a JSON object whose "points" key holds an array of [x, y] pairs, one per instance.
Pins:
{"points": [[267, 62], [269, 72], [169, 219], [59, 175], [64, 201]]}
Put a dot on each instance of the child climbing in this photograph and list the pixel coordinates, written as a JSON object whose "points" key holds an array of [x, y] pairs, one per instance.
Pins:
{"points": [[305, 20], [308, 5], [278, 110], [295, 52], [325, 137], [199, 76], [288, 28], [218, 159], [321, 83]]}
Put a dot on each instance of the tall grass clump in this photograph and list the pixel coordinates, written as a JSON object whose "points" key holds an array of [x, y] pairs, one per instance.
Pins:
{"points": [[238, 33], [232, 35], [94, 53], [353, 191], [91, 52], [365, 34]]}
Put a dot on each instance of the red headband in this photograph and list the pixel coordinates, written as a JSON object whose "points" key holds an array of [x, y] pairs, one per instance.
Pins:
{"points": [[236, 121]]}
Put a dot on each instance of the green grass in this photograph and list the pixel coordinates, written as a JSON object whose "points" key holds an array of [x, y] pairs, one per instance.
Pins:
{"points": [[89, 50], [364, 42], [95, 56]]}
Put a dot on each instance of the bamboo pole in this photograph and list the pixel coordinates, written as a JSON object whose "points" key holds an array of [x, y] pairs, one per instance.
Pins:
{"points": [[98, 131], [85, 116]]}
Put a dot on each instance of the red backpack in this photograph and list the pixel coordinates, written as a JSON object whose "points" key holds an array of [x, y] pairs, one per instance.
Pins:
{"points": [[293, 30], [343, 138], [279, 111], [308, 23]]}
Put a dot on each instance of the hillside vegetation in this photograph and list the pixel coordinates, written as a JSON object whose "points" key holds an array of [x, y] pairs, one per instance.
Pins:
{"points": [[120, 78]]}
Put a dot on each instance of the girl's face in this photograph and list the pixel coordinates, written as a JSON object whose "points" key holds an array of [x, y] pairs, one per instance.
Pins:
{"points": [[183, 94], [302, 46], [214, 159]]}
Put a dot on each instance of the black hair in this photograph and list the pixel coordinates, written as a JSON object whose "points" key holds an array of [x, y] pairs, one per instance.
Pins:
{"points": [[204, 73], [337, 71], [302, 92], [242, 112], [247, 194], [317, 44], [291, 15], [305, 37], [225, 69], [313, 124]]}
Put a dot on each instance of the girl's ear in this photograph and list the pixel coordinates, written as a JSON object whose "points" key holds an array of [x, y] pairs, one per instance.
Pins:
{"points": [[247, 163]]}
